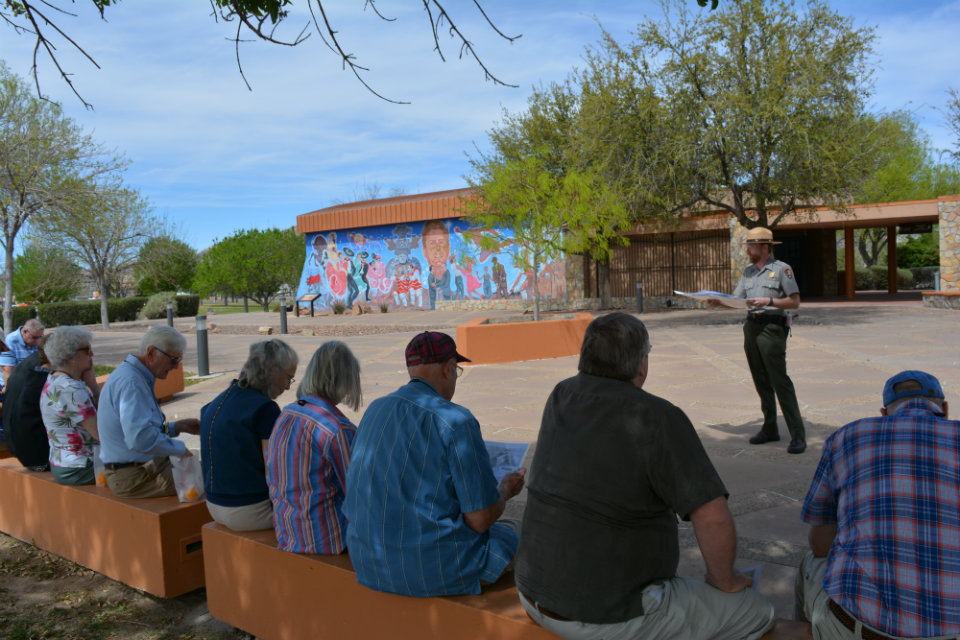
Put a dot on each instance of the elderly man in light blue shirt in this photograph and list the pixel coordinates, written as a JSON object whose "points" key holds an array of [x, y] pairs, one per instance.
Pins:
{"points": [[21, 343], [135, 437]]}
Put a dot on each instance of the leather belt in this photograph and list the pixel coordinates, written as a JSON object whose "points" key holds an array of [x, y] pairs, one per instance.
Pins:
{"points": [[113, 466], [547, 612], [763, 318], [849, 622]]}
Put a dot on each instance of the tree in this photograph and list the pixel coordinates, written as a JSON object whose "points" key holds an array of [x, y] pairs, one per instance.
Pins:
{"points": [[103, 227], [903, 169], [758, 109], [537, 169], [920, 251], [258, 18], [953, 119], [44, 158], [44, 273], [165, 264], [253, 264]]}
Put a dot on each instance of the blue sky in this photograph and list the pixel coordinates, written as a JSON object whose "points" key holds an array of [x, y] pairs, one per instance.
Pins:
{"points": [[213, 157]]}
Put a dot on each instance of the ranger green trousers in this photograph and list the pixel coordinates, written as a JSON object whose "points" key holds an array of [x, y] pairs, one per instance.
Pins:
{"points": [[766, 349]]}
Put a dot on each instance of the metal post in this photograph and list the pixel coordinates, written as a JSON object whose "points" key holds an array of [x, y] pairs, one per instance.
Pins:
{"points": [[169, 313], [639, 296], [283, 315], [203, 356]]}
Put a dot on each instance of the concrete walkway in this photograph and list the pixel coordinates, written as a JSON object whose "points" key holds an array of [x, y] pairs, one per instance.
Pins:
{"points": [[839, 357]]}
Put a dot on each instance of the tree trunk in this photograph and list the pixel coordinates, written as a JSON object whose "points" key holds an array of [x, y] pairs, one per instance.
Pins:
{"points": [[246, 305], [104, 297], [603, 284], [536, 287], [8, 289]]}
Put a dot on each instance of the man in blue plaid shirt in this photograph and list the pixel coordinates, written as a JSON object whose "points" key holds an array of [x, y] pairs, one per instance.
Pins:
{"points": [[884, 510]]}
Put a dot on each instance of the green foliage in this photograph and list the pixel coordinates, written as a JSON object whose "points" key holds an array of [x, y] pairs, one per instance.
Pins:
{"points": [[156, 306], [339, 308], [189, 305], [45, 274], [904, 277], [903, 164], [45, 161], [252, 264], [384, 308], [863, 279], [165, 264], [755, 109], [88, 311], [920, 251], [953, 119], [22, 314]]}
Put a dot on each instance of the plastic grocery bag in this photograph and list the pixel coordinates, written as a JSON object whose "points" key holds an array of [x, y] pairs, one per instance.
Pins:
{"points": [[187, 478], [99, 471]]}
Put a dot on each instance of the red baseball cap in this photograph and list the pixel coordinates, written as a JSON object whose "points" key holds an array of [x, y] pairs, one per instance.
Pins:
{"points": [[430, 347]]}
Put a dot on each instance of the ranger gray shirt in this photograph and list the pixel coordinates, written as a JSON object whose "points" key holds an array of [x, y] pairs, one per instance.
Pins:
{"points": [[775, 280]]}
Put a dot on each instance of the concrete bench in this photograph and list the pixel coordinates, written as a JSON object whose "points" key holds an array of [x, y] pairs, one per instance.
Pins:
{"points": [[152, 544], [278, 595]]}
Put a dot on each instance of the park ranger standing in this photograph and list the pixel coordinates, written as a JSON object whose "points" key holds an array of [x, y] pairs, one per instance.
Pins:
{"points": [[770, 288]]}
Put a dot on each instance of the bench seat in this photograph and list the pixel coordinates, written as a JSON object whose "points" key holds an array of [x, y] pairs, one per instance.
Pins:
{"points": [[278, 595], [152, 544]]}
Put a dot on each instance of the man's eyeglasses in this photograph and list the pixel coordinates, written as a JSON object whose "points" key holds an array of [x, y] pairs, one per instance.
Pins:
{"points": [[173, 360], [459, 371]]}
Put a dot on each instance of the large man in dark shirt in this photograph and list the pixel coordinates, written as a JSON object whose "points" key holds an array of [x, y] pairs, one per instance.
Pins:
{"points": [[614, 466]]}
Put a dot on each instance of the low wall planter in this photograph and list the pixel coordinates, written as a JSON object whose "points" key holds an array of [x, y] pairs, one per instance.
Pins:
{"points": [[493, 340]]}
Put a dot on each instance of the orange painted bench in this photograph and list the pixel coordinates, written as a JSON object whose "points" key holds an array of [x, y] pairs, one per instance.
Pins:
{"points": [[278, 595], [162, 389], [152, 544], [487, 341]]}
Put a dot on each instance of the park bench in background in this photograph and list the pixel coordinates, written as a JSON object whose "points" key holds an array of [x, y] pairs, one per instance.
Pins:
{"points": [[278, 595], [151, 544]]}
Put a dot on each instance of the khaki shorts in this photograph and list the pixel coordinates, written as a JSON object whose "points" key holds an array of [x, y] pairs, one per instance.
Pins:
{"points": [[151, 479]]}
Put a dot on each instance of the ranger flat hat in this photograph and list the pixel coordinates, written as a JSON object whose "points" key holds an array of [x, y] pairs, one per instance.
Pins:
{"points": [[760, 235]]}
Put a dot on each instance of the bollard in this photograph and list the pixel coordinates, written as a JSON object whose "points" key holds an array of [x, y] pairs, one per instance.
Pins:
{"points": [[169, 313], [639, 296], [203, 356]]}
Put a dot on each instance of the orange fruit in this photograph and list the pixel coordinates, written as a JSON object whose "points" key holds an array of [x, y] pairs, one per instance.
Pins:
{"points": [[191, 494], [101, 479]]}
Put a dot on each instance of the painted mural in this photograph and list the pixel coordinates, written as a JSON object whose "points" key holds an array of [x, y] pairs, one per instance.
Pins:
{"points": [[416, 265]]}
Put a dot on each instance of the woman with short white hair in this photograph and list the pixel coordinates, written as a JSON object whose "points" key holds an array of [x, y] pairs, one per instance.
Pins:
{"points": [[68, 407], [233, 430]]}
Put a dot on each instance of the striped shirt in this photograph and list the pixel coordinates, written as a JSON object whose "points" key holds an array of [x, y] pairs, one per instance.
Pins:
{"points": [[419, 463], [307, 457], [892, 486]]}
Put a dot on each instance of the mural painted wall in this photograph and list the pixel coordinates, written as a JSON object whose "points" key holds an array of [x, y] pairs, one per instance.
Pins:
{"points": [[415, 265]]}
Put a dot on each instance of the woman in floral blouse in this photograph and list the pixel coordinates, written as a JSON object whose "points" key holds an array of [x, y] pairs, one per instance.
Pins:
{"points": [[68, 405]]}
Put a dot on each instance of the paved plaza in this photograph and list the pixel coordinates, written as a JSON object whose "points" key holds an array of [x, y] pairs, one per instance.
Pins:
{"points": [[839, 356]]}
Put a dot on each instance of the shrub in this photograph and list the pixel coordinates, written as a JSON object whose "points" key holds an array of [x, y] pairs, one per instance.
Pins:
{"points": [[339, 308], [904, 277], [156, 306], [22, 314], [54, 314], [188, 305], [123, 309], [863, 279], [384, 308]]}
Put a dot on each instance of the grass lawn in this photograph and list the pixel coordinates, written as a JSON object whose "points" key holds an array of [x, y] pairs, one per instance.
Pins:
{"points": [[221, 309]]}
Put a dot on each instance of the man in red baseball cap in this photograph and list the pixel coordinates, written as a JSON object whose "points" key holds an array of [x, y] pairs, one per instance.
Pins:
{"points": [[422, 502]]}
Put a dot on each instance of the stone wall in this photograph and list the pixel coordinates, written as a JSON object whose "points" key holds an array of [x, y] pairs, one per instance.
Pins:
{"points": [[949, 245], [738, 251]]}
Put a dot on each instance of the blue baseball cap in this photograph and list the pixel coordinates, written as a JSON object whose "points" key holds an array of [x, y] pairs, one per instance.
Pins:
{"points": [[929, 386]]}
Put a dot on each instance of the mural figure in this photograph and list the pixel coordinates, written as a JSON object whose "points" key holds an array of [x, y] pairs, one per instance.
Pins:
{"points": [[499, 278], [414, 284], [487, 288], [458, 279], [378, 275], [436, 250], [319, 255], [466, 269]]}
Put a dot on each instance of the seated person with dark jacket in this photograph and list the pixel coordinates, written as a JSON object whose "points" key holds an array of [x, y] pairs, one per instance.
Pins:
{"points": [[26, 435]]}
